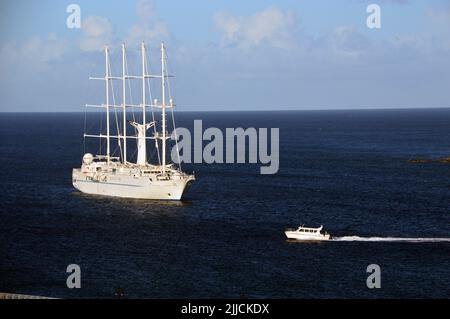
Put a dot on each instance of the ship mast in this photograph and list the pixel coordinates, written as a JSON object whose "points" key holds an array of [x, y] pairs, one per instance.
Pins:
{"points": [[124, 106], [140, 128], [143, 96], [107, 103], [163, 106]]}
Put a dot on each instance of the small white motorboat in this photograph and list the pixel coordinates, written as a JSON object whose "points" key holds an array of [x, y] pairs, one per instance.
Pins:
{"points": [[307, 234]]}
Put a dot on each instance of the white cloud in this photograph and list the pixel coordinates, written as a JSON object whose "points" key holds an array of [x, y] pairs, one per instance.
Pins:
{"points": [[97, 32], [36, 51], [435, 37], [139, 32], [145, 9], [149, 27], [347, 42], [414, 43], [271, 26]]}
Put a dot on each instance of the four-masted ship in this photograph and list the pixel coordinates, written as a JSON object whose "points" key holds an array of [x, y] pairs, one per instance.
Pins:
{"points": [[108, 175]]}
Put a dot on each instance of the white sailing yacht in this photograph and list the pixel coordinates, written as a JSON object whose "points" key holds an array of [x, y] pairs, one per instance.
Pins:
{"points": [[104, 174]]}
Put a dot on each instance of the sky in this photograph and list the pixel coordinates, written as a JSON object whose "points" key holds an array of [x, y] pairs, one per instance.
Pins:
{"points": [[231, 55]]}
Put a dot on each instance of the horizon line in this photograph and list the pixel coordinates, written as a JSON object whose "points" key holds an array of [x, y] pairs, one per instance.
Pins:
{"points": [[260, 110]]}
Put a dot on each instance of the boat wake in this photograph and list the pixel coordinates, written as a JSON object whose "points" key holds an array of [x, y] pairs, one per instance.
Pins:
{"points": [[391, 239]]}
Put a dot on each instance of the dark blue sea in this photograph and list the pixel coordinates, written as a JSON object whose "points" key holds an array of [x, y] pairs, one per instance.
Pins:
{"points": [[348, 170]]}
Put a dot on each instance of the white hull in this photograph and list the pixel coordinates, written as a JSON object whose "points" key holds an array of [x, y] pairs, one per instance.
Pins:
{"points": [[128, 186], [306, 237]]}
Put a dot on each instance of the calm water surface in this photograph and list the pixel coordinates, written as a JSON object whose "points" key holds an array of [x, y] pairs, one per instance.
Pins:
{"points": [[347, 170]]}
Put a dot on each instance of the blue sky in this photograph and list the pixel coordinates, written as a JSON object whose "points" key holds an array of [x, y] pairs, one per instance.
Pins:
{"points": [[233, 55]]}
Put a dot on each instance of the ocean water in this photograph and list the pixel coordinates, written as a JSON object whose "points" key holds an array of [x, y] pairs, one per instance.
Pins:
{"points": [[347, 170]]}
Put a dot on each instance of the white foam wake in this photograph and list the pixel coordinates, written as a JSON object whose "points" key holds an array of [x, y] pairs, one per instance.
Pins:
{"points": [[392, 239]]}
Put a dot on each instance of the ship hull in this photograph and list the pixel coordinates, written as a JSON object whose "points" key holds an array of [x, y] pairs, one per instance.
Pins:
{"points": [[140, 187], [299, 236]]}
